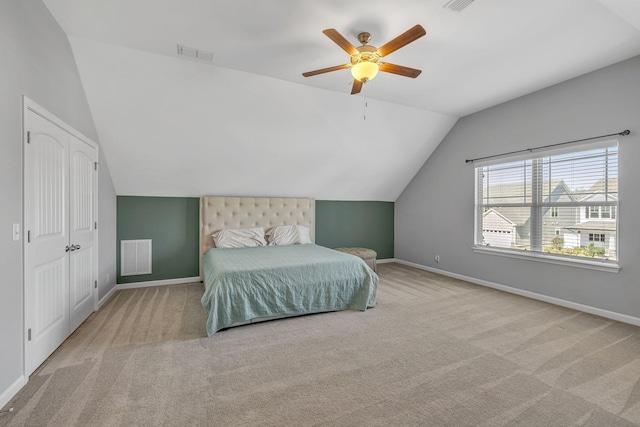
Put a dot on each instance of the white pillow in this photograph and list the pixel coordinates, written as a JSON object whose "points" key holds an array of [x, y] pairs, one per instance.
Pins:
{"points": [[288, 235], [304, 236], [239, 237]]}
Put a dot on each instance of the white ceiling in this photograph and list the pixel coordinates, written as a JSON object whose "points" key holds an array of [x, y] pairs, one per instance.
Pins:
{"points": [[153, 109], [175, 128]]}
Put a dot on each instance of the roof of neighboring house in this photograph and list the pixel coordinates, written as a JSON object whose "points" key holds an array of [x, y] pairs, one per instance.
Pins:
{"points": [[494, 211], [600, 187], [600, 197], [515, 193], [594, 226], [517, 216]]}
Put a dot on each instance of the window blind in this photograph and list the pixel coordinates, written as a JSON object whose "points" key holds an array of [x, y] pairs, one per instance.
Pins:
{"points": [[563, 203]]}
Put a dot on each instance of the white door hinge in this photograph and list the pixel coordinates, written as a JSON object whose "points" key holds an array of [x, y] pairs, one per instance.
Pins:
{"points": [[29, 334], [28, 137]]}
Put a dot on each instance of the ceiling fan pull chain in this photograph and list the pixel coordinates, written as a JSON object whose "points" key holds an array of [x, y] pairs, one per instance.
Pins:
{"points": [[365, 108]]}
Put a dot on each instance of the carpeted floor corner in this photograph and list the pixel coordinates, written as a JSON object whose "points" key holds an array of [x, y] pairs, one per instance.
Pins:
{"points": [[434, 352]]}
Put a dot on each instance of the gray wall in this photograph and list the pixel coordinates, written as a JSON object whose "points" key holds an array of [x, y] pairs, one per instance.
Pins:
{"points": [[106, 229], [434, 214], [37, 61]]}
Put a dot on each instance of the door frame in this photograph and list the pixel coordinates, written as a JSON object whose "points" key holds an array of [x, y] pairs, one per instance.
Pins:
{"points": [[30, 105]]}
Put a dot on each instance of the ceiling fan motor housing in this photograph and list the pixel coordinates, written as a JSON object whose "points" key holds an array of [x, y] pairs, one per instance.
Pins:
{"points": [[365, 53]]}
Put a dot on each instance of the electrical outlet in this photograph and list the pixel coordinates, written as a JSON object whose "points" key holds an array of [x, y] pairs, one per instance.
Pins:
{"points": [[437, 258]]}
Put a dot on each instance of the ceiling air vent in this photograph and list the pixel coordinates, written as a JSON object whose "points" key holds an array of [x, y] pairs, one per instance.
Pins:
{"points": [[458, 5], [193, 53]]}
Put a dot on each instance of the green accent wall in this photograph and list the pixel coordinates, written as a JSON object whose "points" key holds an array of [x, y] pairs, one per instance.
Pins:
{"points": [[361, 224], [173, 225]]}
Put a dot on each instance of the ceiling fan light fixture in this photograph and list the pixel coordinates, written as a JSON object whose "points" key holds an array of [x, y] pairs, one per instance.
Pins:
{"points": [[364, 71]]}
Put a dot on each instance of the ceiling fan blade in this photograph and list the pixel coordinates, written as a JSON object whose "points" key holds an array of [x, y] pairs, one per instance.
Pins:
{"points": [[403, 39], [325, 70], [399, 70], [340, 41], [357, 87]]}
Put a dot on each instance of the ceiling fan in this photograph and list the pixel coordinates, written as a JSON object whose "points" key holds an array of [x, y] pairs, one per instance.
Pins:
{"points": [[364, 63]]}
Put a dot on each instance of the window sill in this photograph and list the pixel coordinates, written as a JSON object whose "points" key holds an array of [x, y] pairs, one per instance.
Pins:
{"points": [[610, 266]]}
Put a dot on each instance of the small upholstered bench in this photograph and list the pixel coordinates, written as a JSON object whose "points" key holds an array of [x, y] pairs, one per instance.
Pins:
{"points": [[368, 255]]}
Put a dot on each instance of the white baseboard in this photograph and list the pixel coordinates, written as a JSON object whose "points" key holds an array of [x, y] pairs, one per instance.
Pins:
{"points": [[148, 284], [12, 390], [533, 295], [107, 296], [157, 283], [384, 261]]}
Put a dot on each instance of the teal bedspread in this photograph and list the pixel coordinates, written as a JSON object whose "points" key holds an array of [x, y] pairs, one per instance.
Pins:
{"points": [[271, 281]]}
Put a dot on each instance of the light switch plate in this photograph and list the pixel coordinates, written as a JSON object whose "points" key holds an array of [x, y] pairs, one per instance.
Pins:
{"points": [[16, 232]]}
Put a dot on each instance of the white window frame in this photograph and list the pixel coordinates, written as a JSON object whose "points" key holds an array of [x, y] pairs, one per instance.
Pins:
{"points": [[536, 214]]}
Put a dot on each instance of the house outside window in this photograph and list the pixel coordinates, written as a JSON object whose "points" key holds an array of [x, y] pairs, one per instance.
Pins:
{"points": [[561, 203]]}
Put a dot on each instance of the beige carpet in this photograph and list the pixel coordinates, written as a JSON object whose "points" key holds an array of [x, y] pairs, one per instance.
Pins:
{"points": [[434, 352]]}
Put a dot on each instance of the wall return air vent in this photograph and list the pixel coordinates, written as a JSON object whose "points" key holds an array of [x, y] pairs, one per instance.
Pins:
{"points": [[457, 5], [135, 257]]}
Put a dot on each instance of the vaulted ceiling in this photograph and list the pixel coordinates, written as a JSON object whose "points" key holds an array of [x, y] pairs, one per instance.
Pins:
{"points": [[248, 123]]}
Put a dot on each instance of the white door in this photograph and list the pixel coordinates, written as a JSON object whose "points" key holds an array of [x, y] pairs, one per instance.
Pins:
{"points": [[81, 231], [60, 253], [46, 222]]}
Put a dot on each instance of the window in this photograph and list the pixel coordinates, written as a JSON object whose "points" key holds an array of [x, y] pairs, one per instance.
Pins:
{"points": [[604, 212], [556, 204]]}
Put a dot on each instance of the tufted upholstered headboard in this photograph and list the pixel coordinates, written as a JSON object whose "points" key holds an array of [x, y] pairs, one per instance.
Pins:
{"points": [[217, 213]]}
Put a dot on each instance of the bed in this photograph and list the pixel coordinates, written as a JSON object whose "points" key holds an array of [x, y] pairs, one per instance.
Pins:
{"points": [[244, 285]]}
